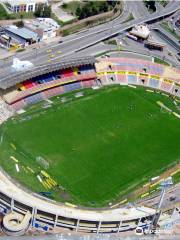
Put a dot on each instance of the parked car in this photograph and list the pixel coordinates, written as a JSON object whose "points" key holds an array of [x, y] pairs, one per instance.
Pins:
{"points": [[172, 198]]}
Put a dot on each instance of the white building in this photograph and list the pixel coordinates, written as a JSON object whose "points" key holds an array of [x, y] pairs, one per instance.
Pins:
{"points": [[24, 5], [44, 27], [141, 31]]}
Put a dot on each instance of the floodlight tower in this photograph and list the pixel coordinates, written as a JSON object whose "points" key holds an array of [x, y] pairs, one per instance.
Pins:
{"points": [[164, 185]]}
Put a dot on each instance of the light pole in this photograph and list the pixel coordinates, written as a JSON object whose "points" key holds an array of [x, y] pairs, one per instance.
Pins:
{"points": [[164, 185]]}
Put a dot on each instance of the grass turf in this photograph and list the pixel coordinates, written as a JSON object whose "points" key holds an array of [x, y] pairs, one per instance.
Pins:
{"points": [[99, 147]]}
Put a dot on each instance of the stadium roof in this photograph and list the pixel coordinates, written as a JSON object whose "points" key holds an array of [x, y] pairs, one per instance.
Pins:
{"points": [[20, 76]]}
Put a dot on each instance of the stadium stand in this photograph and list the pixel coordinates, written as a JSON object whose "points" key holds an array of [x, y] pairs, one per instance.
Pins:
{"points": [[103, 79], [28, 90], [72, 86], [111, 78], [107, 71], [132, 79], [138, 72], [88, 83], [166, 85], [19, 105], [143, 81], [176, 90], [154, 83], [122, 79]]}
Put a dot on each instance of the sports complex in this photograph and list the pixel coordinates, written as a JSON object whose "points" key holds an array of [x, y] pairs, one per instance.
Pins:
{"points": [[78, 137]]}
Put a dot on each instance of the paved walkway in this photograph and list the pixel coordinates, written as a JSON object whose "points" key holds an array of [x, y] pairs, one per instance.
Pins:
{"points": [[60, 14]]}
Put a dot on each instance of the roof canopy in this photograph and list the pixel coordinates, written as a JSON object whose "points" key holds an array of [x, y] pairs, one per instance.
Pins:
{"points": [[13, 78]]}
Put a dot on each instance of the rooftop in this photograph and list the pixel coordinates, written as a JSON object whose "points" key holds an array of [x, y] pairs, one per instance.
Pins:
{"points": [[14, 77], [20, 2], [43, 23], [22, 32]]}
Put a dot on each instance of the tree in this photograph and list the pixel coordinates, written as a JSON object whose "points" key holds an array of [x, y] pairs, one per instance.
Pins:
{"points": [[19, 24], [82, 15], [46, 11], [64, 5], [151, 5], [105, 7], [94, 10], [43, 11], [78, 11], [112, 3], [39, 10]]}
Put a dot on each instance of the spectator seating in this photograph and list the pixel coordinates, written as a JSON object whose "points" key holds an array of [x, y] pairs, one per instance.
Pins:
{"points": [[19, 105], [111, 78], [72, 86], [66, 72], [132, 79], [122, 79], [166, 86], [86, 69], [103, 79], [53, 91], [88, 83], [176, 90], [154, 83], [130, 64], [34, 98], [109, 71], [16, 95], [143, 80]]}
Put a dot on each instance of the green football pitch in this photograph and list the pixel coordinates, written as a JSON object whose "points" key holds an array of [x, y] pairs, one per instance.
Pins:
{"points": [[98, 147]]}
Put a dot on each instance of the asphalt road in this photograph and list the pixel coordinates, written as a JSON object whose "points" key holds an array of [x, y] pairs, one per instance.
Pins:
{"points": [[167, 201], [168, 36], [134, 46], [84, 40]]}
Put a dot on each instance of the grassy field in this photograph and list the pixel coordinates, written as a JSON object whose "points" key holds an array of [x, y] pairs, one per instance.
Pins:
{"points": [[170, 30], [3, 13], [71, 7], [158, 60], [98, 147]]}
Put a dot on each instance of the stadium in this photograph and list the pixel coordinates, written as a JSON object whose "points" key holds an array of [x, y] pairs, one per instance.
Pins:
{"points": [[79, 136]]}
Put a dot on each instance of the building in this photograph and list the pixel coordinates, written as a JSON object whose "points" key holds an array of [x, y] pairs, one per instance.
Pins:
{"points": [[24, 5], [140, 31], [23, 35], [44, 27]]}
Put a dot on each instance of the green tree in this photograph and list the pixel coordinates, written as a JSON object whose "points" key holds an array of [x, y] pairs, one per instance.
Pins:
{"points": [[46, 11], [105, 5], [39, 10], [64, 5], [78, 12], [19, 24]]}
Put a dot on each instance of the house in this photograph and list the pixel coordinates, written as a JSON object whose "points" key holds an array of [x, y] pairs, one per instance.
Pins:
{"points": [[24, 5], [45, 27], [22, 35]]}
